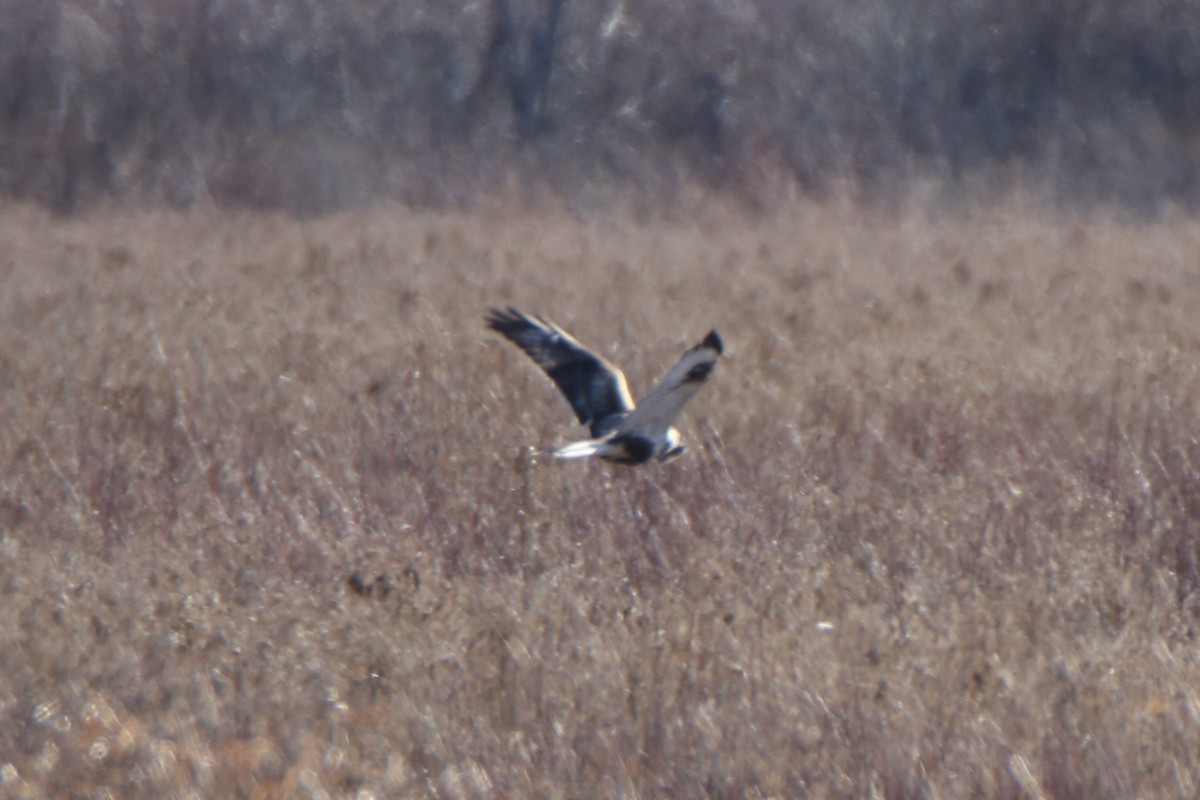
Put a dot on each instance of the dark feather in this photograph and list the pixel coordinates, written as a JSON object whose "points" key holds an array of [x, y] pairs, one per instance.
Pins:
{"points": [[595, 388], [713, 341], [699, 373]]}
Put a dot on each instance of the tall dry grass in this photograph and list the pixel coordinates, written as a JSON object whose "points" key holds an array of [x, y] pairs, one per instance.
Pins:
{"points": [[269, 526]]}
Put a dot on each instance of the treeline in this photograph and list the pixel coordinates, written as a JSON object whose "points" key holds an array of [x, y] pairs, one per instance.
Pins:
{"points": [[311, 105]]}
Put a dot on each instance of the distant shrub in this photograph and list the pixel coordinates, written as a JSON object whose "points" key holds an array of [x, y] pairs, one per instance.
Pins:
{"points": [[315, 105]]}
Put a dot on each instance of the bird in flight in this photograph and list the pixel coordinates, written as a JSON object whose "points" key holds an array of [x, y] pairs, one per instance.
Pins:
{"points": [[621, 431]]}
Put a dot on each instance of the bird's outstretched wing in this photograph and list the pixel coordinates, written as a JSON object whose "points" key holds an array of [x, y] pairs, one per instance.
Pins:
{"points": [[595, 388], [658, 409]]}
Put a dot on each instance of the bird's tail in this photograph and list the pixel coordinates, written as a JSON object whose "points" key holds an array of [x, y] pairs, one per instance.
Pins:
{"points": [[584, 449]]}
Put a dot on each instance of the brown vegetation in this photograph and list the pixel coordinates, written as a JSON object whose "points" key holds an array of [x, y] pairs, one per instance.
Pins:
{"points": [[269, 526]]}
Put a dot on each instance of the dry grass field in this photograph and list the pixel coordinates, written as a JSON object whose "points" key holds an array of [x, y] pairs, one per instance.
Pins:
{"points": [[270, 527]]}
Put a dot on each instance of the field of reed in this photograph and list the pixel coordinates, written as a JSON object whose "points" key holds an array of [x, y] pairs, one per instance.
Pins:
{"points": [[271, 524]]}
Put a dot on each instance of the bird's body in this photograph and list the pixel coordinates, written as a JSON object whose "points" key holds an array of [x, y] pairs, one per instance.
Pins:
{"points": [[622, 431]]}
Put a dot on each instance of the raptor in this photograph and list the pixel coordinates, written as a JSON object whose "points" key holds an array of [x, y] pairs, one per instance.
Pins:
{"points": [[621, 430]]}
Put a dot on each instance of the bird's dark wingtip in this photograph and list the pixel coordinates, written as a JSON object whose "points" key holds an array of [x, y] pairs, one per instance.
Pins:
{"points": [[713, 341], [503, 319]]}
